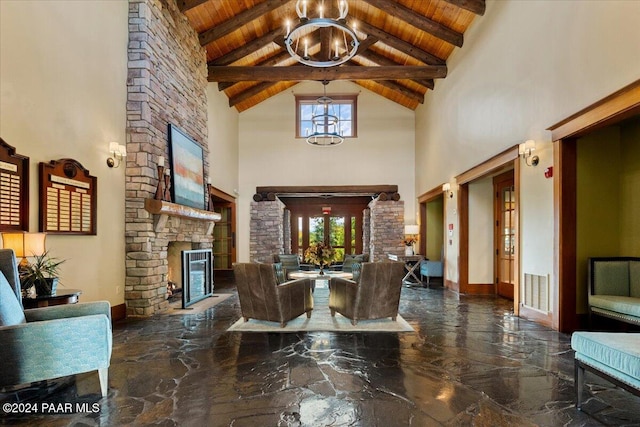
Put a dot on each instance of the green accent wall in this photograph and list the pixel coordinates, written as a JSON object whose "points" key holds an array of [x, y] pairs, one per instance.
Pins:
{"points": [[608, 198], [435, 229]]}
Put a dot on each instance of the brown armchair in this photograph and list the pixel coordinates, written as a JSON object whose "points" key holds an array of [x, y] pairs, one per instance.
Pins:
{"points": [[375, 294], [262, 298]]}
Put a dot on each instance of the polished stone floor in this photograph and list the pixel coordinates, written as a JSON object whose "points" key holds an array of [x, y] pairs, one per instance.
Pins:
{"points": [[470, 362]]}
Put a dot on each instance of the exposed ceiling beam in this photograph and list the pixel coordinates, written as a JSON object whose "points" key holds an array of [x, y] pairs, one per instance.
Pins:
{"points": [[404, 91], [400, 44], [247, 49], [383, 60], [298, 73], [246, 94], [418, 21], [241, 19], [476, 6], [185, 5]]}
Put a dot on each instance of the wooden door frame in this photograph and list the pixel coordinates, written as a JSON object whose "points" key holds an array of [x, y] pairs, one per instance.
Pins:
{"points": [[508, 159], [223, 199], [610, 110], [508, 176], [423, 199]]}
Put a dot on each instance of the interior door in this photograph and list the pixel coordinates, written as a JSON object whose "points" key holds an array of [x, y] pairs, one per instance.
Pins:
{"points": [[504, 241]]}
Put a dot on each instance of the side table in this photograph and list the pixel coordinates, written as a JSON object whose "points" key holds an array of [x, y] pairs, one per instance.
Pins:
{"points": [[411, 265], [62, 296]]}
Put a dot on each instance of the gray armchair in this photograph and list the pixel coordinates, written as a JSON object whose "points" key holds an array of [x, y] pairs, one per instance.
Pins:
{"points": [[50, 342], [263, 298], [375, 294], [290, 263]]}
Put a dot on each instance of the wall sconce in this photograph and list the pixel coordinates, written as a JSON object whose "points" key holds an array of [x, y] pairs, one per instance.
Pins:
{"points": [[446, 188], [118, 152], [526, 150], [24, 245]]}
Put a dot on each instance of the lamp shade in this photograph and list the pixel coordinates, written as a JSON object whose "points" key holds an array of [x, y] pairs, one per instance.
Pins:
{"points": [[411, 229], [24, 244]]}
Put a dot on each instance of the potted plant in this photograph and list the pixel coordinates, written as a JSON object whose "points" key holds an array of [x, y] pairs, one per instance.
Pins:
{"points": [[321, 255], [42, 273]]}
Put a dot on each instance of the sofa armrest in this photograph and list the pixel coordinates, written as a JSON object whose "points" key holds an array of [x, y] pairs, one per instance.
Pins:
{"points": [[68, 310]]}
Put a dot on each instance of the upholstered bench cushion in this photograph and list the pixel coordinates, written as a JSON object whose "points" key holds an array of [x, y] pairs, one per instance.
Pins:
{"points": [[624, 305], [614, 353]]}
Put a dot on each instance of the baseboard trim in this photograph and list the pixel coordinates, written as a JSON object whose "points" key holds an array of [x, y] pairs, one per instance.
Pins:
{"points": [[537, 316], [118, 312], [450, 284], [480, 289]]}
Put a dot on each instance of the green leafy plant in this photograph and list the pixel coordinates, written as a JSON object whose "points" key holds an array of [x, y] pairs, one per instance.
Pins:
{"points": [[41, 273]]}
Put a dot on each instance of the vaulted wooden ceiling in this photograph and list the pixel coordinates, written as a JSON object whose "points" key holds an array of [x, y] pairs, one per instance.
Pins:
{"points": [[404, 46]]}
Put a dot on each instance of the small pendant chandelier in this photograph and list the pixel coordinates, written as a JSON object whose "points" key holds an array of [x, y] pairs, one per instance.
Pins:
{"points": [[324, 122], [301, 39]]}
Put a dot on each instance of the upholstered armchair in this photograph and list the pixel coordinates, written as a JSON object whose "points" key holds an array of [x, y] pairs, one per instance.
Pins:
{"points": [[290, 262], [263, 298], [375, 294], [349, 261], [430, 269], [50, 342]]}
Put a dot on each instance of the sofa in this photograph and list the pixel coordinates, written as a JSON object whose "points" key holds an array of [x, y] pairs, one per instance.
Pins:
{"points": [[613, 356], [614, 288]]}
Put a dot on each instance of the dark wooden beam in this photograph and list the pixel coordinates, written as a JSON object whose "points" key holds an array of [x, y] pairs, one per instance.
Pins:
{"points": [[328, 189], [297, 73], [247, 49], [383, 60], [400, 44], [185, 5], [475, 6], [248, 93], [404, 91], [241, 19], [418, 21], [269, 62]]}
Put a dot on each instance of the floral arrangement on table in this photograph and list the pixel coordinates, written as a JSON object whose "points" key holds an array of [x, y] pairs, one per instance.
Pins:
{"points": [[410, 241], [320, 254]]}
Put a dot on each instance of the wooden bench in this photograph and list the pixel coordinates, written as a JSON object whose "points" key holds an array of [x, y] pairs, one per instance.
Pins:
{"points": [[614, 356]]}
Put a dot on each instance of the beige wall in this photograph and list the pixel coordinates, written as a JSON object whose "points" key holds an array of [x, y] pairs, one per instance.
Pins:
{"points": [[271, 155], [481, 231], [63, 71], [524, 66], [223, 141]]}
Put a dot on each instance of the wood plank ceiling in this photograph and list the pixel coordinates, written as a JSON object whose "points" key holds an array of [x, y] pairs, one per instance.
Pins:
{"points": [[404, 45]]}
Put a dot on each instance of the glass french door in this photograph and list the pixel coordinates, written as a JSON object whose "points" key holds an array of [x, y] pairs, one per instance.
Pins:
{"points": [[505, 235], [339, 231]]}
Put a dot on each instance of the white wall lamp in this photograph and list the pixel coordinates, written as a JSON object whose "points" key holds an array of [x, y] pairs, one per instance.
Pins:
{"points": [[118, 152], [446, 188], [526, 150]]}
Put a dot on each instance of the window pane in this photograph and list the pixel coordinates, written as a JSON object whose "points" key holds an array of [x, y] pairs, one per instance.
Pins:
{"points": [[353, 234], [299, 231], [306, 128], [306, 111], [316, 230], [336, 224]]}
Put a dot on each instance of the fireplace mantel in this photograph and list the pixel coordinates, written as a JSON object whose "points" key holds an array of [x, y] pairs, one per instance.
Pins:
{"points": [[164, 210]]}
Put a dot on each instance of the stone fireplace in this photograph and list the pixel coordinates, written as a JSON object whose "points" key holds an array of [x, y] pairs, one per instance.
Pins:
{"points": [[166, 84]]}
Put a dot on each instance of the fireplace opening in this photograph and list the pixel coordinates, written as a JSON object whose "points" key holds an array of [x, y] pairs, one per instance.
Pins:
{"points": [[174, 264], [197, 275]]}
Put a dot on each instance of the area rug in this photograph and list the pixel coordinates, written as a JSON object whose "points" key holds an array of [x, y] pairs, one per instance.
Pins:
{"points": [[321, 320], [176, 306]]}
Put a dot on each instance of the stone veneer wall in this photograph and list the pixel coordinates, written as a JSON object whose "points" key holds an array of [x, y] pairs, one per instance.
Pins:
{"points": [[266, 230], [387, 229], [366, 230], [167, 83]]}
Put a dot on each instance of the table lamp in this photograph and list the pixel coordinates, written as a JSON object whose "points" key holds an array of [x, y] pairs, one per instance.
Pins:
{"points": [[24, 245]]}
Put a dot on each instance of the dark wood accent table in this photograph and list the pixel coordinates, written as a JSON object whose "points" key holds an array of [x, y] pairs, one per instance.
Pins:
{"points": [[62, 296]]}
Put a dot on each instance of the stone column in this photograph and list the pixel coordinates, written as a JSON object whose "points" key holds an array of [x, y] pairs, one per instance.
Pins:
{"points": [[386, 228], [266, 230]]}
